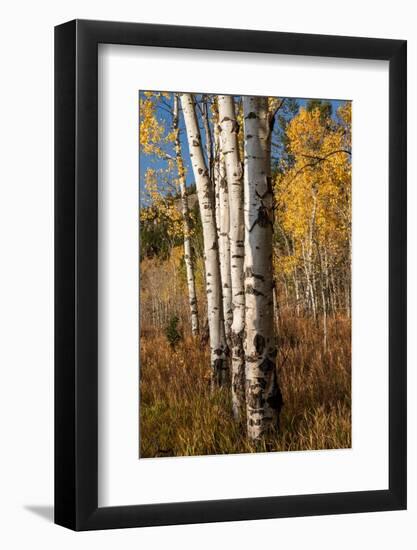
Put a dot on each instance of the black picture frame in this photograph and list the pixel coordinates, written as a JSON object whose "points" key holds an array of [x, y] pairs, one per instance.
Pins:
{"points": [[76, 272]]}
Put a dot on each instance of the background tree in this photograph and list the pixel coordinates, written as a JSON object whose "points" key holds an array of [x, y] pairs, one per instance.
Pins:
{"points": [[223, 228], [218, 347], [229, 132], [313, 211], [188, 256]]}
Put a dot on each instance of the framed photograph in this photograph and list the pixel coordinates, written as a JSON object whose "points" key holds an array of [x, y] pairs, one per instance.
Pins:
{"points": [[230, 284]]}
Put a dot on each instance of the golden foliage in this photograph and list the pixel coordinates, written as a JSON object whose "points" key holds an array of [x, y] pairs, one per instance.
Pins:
{"points": [[150, 129], [313, 193], [163, 207]]}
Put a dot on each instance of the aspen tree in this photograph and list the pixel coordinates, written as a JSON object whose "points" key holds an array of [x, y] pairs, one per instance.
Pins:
{"points": [[263, 396], [229, 130], [192, 296], [218, 346], [223, 228]]}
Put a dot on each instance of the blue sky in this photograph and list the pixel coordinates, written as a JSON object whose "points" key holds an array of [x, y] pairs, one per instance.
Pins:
{"points": [[163, 114]]}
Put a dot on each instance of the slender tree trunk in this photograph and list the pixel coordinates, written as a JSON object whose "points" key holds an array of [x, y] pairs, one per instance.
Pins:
{"points": [[192, 296], [348, 278], [310, 254], [323, 290], [263, 396], [223, 226], [330, 294], [311, 301], [230, 148], [347, 298], [334, 292], [284, 280], [218, 174], [308, 258], [297, 293], [276, 304], [218, 347], [209, 143]]}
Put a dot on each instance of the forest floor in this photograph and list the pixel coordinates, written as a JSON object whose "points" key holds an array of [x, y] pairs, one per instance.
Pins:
{"points": [[180, 416]]}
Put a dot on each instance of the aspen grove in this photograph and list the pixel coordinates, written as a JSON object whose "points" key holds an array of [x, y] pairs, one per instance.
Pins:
{"points": [[245, 273]]}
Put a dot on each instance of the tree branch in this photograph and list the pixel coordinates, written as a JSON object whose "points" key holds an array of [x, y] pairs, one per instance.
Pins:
{"points": [[317, 161]]}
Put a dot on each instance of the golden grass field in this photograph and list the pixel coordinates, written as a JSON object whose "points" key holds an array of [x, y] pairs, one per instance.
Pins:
{"points": [[180, 415]]}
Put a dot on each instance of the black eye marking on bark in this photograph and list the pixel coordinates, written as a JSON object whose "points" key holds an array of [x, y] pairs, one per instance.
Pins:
{"points": [[255, 401], [262, 219], [251, 290], [272, 353], [275, 401], [203, 172], [196, 143], [267, 366], [259, 343], [251, 115], [249, 273], [268, 190]]}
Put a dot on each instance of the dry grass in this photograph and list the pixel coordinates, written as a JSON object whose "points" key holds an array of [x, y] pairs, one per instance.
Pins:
{"points": [[179, 415]]}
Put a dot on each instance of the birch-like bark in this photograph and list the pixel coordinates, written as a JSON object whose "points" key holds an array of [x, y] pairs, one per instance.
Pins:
{"points": [[263, 396], [223, 228], [192, 296], [309, 261], [218, 347], [229, 130], [323, 290], [218, 175], [206, 125]]}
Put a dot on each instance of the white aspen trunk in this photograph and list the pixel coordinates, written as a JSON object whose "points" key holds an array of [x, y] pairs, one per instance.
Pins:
{"points": [[310, 255], [297, 294], [323, 288], [229, 130], [333, 291], [330, 295], [263, 396], [223, 225], [311, 302], [192, 296], [206, 125], [323, 299], [276, 304], [218, 174], [348, 279], [218, 347]]}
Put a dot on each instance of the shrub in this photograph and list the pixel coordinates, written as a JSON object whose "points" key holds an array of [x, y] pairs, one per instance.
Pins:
{"points": [[172, 333]]}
